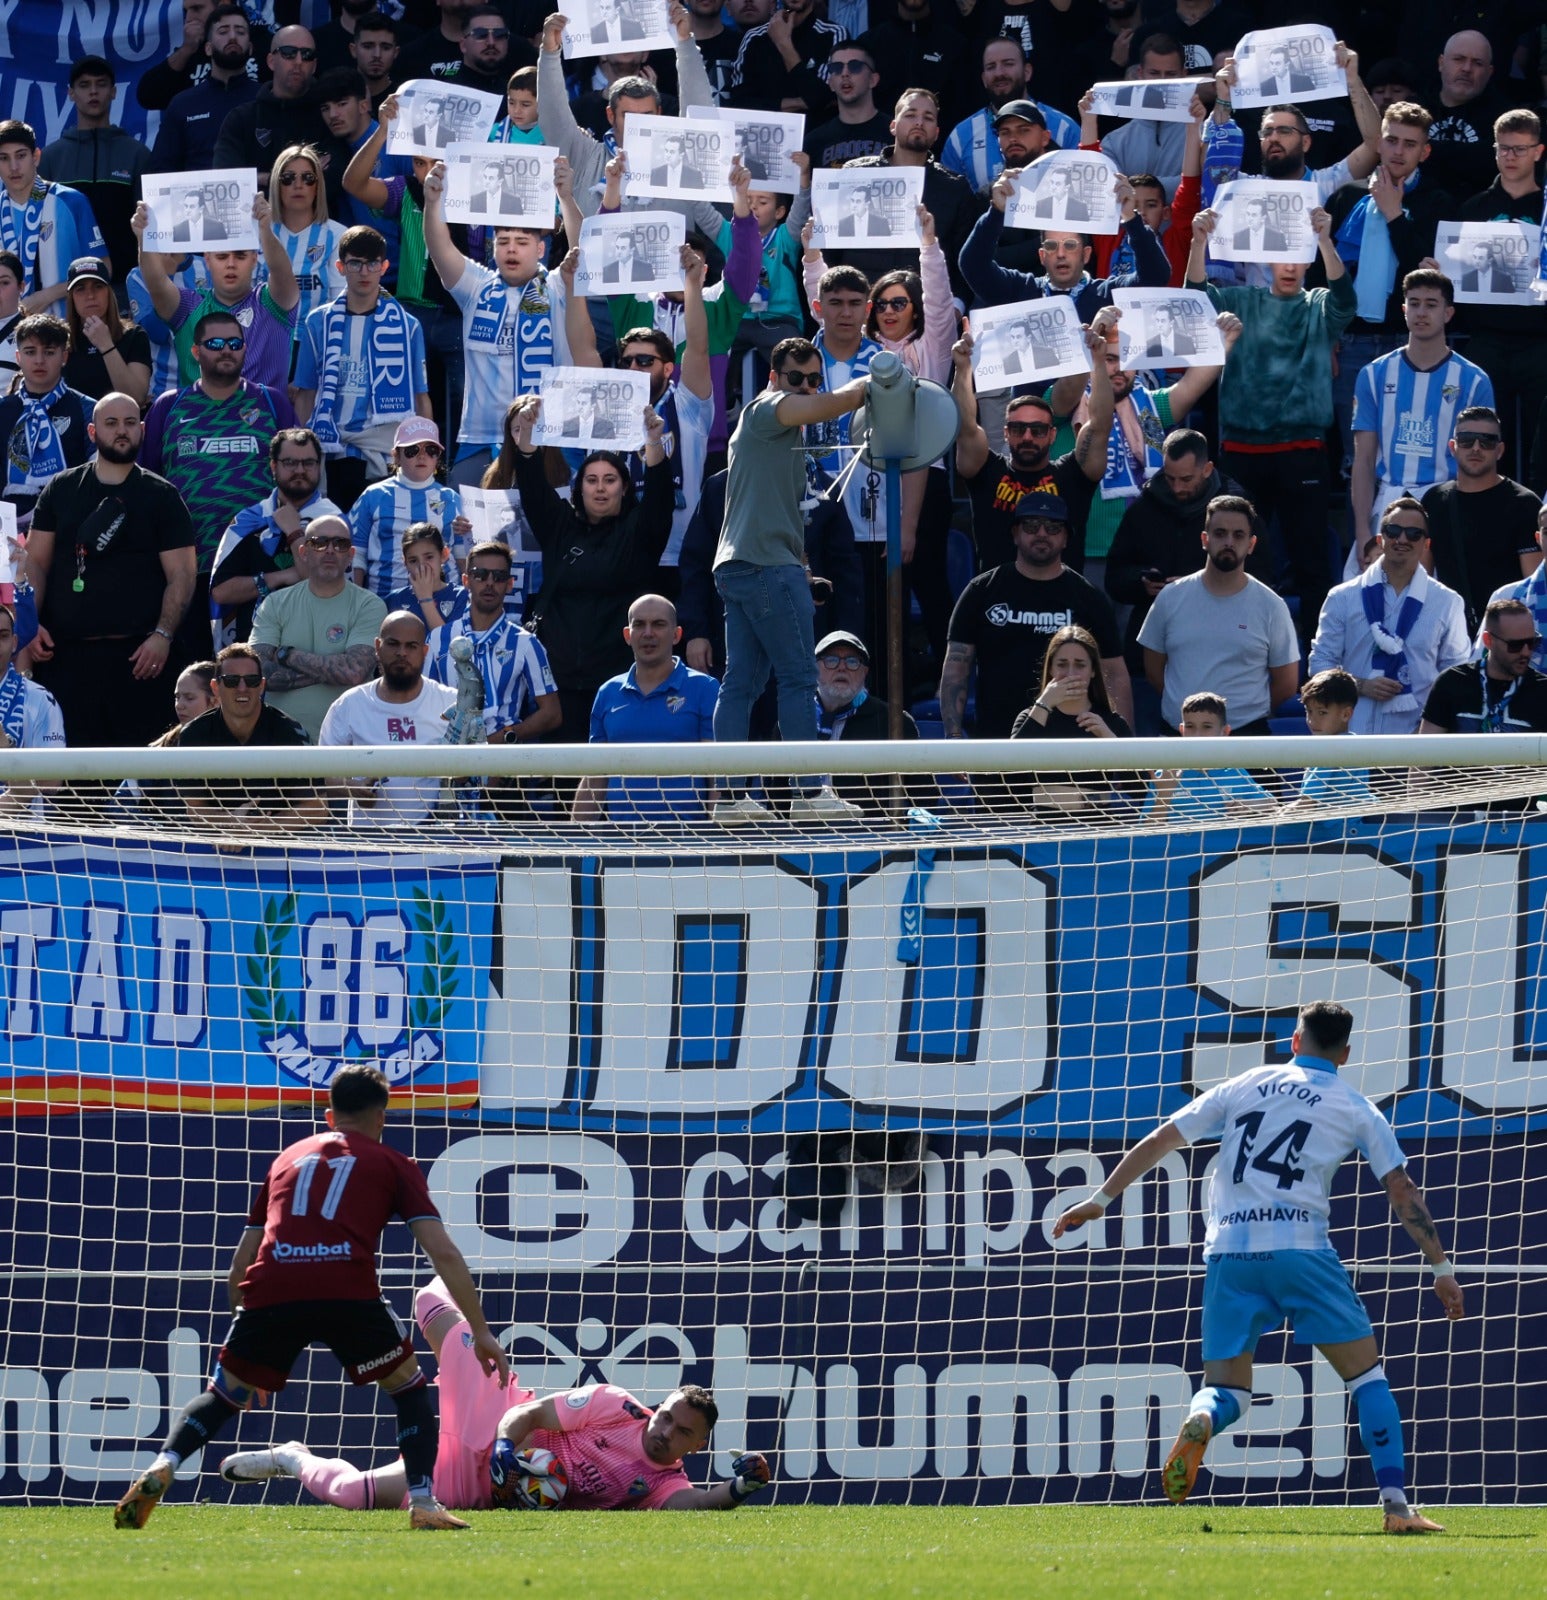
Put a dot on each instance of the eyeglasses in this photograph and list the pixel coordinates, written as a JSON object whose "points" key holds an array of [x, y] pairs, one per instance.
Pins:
{"points": [[335, 544], [293, 52], [410, 452], [799, 380], [1283, 130], [288, 180], [1478, 441], [1397, 533], [229, 341], [488, 574], [1038, 430], [241, 680], [1514, 149], [488, 33], [640, 358], [853, 663], [355, 264], [894, 303], [1516, 645], [295, 463]]}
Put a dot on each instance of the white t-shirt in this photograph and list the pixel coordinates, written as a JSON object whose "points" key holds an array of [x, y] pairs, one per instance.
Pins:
{"points": [[361, 717], [1284, 1132]]}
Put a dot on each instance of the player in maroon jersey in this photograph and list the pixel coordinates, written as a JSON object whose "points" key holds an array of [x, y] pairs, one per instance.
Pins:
{"points": [[305, 1272]]}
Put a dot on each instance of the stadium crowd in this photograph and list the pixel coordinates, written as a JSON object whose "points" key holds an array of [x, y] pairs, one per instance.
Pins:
{"points": [[238, 477]]}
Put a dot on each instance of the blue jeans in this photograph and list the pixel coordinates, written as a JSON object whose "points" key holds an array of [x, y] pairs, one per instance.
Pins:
{"points": [[1355, 352], [768, 627]]}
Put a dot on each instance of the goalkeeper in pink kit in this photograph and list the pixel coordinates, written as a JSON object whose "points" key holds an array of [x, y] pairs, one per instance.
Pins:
{"points": [[616, 1453]]}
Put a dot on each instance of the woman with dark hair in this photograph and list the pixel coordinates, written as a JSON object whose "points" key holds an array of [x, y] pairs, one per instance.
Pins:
{"points": [[601, 550], [501, 471], [1072, 703], [106, 354]]}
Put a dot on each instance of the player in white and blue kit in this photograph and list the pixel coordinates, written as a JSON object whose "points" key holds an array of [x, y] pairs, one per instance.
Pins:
{"points": [[1406, 404], [1284, 1132], [520, 698]]}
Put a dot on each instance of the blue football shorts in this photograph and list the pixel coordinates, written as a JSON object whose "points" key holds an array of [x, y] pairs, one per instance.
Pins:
{"points": [[1245, 1295]]}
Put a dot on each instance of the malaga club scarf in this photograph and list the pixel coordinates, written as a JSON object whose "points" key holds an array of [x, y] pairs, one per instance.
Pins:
{"points": [[13, 705], [1133, 445], [45, 454], [530, 339], [1534, 593], [1391, 648], [382, 343], [830, 724], [25, 243]]}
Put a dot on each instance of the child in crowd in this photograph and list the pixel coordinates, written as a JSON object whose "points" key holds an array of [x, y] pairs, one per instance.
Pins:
{"points": [[1194, 794], [774, 311], [1329, 700], [413, 494], [430, 593], [519, 124]]}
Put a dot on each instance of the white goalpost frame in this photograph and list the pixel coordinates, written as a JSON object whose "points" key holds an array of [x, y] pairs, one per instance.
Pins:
{"points": [[620, 1048]]}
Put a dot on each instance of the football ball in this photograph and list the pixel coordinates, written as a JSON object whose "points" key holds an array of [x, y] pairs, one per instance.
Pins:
{"points": [[542, 1478]]}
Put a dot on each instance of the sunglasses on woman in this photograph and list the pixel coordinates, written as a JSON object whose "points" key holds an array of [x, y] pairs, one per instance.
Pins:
{"points": [[288, 180], [410, 452]]}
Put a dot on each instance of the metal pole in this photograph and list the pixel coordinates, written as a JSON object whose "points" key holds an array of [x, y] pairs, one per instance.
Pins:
{"points": [[895, 687]]}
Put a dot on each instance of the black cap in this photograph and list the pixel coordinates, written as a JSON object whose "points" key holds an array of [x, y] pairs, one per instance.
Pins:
{"points": [[87, 269], [1037, 504], [1026, 110]]}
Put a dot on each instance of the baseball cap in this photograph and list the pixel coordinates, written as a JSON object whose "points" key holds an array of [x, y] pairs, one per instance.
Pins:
{"points": [[415, 430], [1038, 504], [87, 269], [841, 636], [1026, 110]]}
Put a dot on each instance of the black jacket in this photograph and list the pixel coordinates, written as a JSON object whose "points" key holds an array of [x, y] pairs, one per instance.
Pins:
{"points": [[1158, 531], [830, 549], [592, 573], [1412, 238], [951, 201], [253, 135]]}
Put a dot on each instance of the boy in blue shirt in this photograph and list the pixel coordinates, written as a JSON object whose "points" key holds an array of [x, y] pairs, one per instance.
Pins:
{"points": [[1329, 700], [1195, 794]]}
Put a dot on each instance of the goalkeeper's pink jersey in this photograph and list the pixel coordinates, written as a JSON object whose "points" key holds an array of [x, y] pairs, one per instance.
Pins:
{"points": [[601, 1443]]}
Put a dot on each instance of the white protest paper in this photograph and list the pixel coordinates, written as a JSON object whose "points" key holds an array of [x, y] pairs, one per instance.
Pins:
{"points": [[1263, 219], [434, 116], [1283, 66], [194, 211], [1029, 341], [1165, 328], [1073, 189], [501, 185], [9, 549], [764, 140], [866, 208], [1147, 99], [1490, 263], [616, 27], [671, 159], [590, 407], [631, 252], [497, 514]]}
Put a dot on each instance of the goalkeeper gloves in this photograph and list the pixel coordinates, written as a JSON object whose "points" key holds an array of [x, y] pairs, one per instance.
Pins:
{"points": [[751, 1474], [507, 1467]]}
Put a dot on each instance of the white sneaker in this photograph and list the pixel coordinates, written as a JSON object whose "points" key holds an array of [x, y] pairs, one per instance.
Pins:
{"points": [[258, 1466], [738, 812], [823, 806]]}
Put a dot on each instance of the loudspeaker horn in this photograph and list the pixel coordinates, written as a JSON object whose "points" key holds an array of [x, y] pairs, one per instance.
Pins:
{"points": [[903, 416]]}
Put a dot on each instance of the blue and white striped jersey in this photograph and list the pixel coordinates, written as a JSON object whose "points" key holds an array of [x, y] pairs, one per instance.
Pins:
{"points": [[972, 150], [313, 256], [1284, 1131], [383, 514], [1413, 413], [191, 273], [514, 666]]}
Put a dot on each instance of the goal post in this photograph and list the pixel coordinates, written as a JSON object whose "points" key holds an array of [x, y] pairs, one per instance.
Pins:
{"points": [[786, 1109]]}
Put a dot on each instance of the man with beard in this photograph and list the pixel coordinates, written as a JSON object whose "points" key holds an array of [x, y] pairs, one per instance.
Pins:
{"points": [[998, 484], [489, 53], [1461, 160], [402, 706], [859, 128], [973, 149], [284, 112], [779, 66], [947, 197], [191, 124], [1221, 631], [210, 441], [112, 561], [190, 65], [846, 709], [1157, 539], [257, 551], [1006, 615]]}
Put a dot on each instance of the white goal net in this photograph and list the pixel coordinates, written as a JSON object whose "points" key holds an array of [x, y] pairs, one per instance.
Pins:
{"points": [[786, 1109]]}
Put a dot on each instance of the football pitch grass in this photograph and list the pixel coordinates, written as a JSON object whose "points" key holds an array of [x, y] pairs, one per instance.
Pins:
{"points": [[1195, 1552]]}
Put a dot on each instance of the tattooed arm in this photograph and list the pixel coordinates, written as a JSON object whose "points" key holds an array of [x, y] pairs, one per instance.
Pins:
{"points": [[303, 668], [953, 686], [1413, 1214]]}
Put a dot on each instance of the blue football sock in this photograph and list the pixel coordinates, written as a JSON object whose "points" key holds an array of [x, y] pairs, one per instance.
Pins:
{"points": [[1380, 1430], [1224, 1406]]}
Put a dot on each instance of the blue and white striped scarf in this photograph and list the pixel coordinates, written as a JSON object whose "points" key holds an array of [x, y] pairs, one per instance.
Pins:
{"points": [[45, 454], [382, 342], [13, 705]]}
